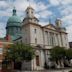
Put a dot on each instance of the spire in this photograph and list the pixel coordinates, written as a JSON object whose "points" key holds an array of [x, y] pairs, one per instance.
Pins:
{"points": [[14, 11], [49, 21]]}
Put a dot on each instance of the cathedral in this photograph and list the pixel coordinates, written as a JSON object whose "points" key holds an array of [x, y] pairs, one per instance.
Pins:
{"points": [[42, 38]]}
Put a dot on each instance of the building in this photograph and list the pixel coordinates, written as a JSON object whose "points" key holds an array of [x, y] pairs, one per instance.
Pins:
{"points": [[1, 51], [42, 38], [3, 46]]}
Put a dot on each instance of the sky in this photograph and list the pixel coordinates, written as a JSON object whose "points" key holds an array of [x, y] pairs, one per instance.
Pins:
{"points": [[45, 10]]}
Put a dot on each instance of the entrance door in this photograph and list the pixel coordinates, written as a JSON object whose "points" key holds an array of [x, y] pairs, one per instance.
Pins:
{"points": [[37, 61]]}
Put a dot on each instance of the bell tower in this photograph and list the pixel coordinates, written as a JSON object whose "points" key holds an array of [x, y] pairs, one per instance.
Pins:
{"points": [[29, 12], [30, 15]]}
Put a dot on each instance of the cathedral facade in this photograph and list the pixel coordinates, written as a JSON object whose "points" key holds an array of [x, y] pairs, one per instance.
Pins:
{"points": [[42, 38]]}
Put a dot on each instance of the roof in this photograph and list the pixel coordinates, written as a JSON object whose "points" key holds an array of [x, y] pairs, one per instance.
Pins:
{"points": [[14, 20], [15, 37], [53, 27], [29, 7], [49, 27], [31, 18]]}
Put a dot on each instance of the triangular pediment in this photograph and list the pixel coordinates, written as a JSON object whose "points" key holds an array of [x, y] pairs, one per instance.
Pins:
{"points": [[50, 26]]}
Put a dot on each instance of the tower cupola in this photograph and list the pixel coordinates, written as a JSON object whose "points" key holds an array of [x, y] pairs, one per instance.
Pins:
{"points": [[58, 23], [30, 16], [29, 12]]}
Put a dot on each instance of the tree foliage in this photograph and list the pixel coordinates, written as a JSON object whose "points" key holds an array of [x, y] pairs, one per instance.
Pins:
{"points": [[57, 53], [69, 54], [20, 52]]}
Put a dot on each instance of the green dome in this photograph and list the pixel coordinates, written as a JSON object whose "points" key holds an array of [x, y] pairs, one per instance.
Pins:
{"points": [[14, 20]]}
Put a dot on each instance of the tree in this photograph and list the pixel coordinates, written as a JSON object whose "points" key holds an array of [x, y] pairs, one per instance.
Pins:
{"points": [[69, 54], [57, 54], [19, 52]]}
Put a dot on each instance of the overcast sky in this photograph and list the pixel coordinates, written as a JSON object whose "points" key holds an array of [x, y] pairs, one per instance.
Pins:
{"points": [[44, 10]]}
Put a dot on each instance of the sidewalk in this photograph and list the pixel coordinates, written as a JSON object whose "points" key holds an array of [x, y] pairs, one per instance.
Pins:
{"points": [[51, 70]]}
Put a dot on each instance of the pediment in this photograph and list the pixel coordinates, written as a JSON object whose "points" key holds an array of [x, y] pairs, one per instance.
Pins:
{"points": [[50, 26]]}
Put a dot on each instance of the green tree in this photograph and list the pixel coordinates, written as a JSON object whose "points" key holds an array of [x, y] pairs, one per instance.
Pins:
{"points": [[19, 52], [57, 54], [69, 54]]}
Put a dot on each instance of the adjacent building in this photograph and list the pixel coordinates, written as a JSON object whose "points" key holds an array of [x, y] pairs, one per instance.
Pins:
{"points": [[3, 47]]}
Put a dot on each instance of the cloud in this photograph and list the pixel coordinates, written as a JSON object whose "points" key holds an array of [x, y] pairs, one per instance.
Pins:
{"points": [[45, 14], [3, 4], [67, 19], [2, 29], [60, 2], [21, 5], [54, 2], [43, 23], [66, 16], [37, 15], [66, 10], [67, 22], [41, 6], [66, 2], [3, 13]]}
